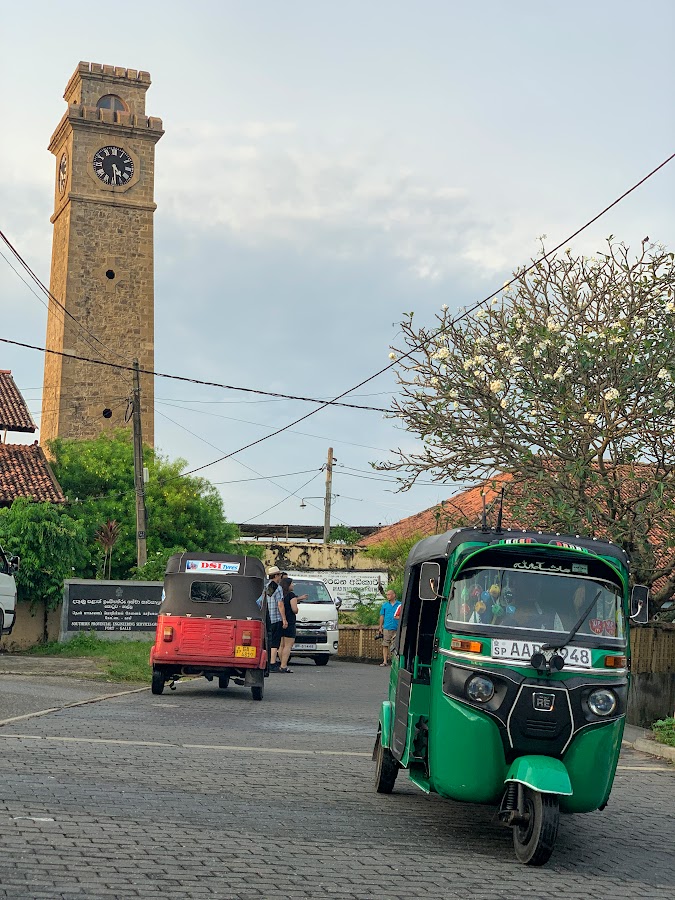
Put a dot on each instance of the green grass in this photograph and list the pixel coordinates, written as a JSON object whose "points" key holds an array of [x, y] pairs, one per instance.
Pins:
{"points": [[664, 731], [121, 660]]}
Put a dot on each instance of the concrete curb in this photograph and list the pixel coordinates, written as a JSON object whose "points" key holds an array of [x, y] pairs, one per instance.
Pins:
{"points": [[51, 709], [652, 748]]}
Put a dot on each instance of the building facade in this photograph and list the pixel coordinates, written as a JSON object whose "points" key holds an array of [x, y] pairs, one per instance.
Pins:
{"points": [[102, 278]]}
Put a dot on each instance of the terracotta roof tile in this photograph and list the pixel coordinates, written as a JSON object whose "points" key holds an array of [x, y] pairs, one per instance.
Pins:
{"points": [[14, 414], [25, 472]]}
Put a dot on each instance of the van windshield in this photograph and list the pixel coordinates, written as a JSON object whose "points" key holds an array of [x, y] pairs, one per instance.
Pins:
{"points": [[316, 591], [534, 601]]}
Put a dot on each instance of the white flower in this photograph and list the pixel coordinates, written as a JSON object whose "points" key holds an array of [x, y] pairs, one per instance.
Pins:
{"points": [[514, 361], [392, 356], [552, 325], [663, 375], [453, 395], [466, 365], [496, 385], [543, 344], [591, 418], [669, 404], [537, 353], [640, 323], [559, 373], [548, 376], [482, 314], [479, 360], [444, 307], [435, 381], [501, 347], [611, 394], [455, 405], [670, 306], [477, 373], [503, 403], [441, 353], [521, 340]]}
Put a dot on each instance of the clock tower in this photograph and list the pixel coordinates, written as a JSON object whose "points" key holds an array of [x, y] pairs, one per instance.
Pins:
{"points": [[102, 283]]}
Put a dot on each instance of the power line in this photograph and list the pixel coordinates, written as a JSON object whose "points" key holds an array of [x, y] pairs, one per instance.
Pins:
{"points": [[228, 387]]}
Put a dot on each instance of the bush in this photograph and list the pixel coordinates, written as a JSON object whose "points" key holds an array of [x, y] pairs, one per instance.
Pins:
{"points": [[664, 731]]}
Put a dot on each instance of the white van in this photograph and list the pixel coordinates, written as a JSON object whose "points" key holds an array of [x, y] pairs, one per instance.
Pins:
{"points": [[8, 566], [317, 621]]}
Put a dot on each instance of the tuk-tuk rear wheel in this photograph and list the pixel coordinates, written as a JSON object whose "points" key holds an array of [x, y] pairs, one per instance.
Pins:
{"points": [[157, 682], [257, 691], [533, 842], [386, 769]]}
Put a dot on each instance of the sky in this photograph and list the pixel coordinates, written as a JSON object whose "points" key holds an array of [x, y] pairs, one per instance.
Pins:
{"points": [[325, 169]]}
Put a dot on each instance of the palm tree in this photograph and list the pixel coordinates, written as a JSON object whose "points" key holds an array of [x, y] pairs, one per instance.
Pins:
{"points": [[107, 535]]}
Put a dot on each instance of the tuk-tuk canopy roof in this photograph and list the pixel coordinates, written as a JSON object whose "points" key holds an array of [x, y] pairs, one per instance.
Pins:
{"points": [[215, 585], [442, 546], [215, 564]]}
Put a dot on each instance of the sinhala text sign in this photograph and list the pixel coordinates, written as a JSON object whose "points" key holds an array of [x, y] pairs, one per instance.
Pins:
{"points": [[349, 585], [110, 608]]}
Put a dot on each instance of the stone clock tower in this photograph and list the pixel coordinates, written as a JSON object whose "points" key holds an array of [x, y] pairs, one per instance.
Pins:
{"points": [[102, 254]]}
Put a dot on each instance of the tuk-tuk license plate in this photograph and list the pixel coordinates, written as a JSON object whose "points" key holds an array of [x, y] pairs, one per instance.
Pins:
{"points": [[248, 652], [521, 651], [304, 647]]}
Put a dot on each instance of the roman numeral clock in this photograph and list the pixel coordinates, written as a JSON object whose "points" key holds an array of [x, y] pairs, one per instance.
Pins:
{"points": [[102, 254]]}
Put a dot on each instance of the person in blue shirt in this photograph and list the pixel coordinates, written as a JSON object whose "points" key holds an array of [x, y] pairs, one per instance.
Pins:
{"points": [[388, 625]]}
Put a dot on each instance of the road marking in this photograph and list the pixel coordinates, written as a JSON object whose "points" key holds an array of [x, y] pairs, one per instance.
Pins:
{"points": [[45, 712], [645, 768], [225, 747]]}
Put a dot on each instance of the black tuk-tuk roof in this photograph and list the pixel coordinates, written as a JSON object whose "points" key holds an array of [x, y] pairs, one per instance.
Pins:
{"points": [[245, 576], [215, 563], [441, 546]]}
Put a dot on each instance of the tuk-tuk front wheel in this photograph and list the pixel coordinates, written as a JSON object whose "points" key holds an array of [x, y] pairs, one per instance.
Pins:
{"points": [[386, 769], [157, 682], [533, 840]]}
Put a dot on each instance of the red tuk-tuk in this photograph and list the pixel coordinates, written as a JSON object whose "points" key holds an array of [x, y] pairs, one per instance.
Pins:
{"points": [[210, 623]]}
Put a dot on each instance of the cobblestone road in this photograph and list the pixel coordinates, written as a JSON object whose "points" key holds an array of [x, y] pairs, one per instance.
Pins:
{"points": [[203, 793]]}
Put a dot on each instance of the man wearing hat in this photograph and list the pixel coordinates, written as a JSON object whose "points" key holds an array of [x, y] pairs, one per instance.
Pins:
{"points": [[274, 596]]}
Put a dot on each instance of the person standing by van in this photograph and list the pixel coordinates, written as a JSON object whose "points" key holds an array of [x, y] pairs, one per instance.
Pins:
{"points": [[274, 595], [388, 624], [288, 609]]}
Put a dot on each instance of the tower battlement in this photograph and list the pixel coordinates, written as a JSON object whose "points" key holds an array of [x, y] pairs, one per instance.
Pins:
{"points": [[92, 114], [91, 81]]}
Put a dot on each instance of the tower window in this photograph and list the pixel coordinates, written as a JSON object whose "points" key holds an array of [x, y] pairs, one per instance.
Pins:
{"points": [[113, 102]]}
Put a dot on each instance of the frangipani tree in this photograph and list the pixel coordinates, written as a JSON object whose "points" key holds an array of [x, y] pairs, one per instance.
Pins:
{"points": [[567, 383]]}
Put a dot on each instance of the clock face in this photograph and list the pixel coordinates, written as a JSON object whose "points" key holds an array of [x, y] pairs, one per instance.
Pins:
{"points": [[113, 166], [63, 173]]}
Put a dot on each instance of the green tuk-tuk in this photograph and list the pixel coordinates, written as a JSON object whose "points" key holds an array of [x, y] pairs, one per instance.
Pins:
{"points": [[509, 678]]}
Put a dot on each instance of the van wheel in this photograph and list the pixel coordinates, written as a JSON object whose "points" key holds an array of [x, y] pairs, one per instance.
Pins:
{"points": [[223, 681], [534, 841], [2, 623], [386, 769], [157, 682], [257, 691], [322, 660]]}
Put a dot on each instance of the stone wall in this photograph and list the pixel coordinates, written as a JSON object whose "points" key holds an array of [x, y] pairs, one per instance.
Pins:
{"points": [[29, 627], [300, 555]]}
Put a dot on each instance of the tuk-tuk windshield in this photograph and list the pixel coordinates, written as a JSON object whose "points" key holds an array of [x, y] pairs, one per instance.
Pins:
{"points": [[534, 601]]}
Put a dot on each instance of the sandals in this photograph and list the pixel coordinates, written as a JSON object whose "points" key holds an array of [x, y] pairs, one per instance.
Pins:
{"points": [[285, 671], [383, 665]]}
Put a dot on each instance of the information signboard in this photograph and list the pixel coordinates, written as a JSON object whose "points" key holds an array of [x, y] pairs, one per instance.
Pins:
{"points": [[349, 585], [110, 608]]}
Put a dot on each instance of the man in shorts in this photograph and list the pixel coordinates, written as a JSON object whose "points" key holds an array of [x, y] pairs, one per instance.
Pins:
{"points": [[388, 625], [274, 595]]}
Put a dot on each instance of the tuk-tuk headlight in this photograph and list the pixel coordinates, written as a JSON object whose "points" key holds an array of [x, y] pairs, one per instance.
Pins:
{"points": [[602, 702], [480, 689]]}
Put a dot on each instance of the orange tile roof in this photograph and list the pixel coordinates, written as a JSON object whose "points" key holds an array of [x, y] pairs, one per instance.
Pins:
{"points": [[25, 472], [14, 414]]}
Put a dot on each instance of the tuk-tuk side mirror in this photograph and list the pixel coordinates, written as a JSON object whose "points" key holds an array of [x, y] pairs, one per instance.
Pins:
{"points": [[14, 563], [430, 580], [639, 604]]}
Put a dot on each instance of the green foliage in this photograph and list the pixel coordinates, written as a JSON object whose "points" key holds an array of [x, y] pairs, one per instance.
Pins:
{"points": [[393, 554], [564, 382], [123, 660], [51, 545], [155, 567], [664, 730], [343, 534], [97, 476]]}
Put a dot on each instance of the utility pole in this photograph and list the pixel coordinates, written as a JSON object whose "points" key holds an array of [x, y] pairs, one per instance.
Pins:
{"points": [[141, 516], [328, 500]]}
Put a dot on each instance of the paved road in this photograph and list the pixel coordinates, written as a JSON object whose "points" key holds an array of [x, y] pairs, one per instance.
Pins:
{"points": [[202, 793]]}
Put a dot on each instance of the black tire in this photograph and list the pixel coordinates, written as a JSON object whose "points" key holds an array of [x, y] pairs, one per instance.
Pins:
{"points": [[2, 623], [322, 660], [223, 682], [534, 841], [386, 769], [157, 682], [258, 691]]}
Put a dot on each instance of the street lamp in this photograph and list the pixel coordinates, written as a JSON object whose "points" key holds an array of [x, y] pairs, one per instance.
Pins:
{"points": [[303, 504]]}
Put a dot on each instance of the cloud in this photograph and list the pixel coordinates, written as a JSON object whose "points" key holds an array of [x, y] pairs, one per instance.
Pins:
{"points": [[265, 183]]}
